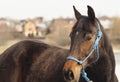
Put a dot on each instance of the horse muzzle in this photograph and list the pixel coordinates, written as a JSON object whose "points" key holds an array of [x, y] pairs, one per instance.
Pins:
{"points": [[71, 71]]}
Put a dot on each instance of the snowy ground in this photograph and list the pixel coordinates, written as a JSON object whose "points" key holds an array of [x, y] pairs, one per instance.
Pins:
{"points": [[117, 56]]}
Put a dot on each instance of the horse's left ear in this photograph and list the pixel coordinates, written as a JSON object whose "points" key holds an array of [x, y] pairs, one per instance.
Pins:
{"points": [[91, 13], [77, 13]]}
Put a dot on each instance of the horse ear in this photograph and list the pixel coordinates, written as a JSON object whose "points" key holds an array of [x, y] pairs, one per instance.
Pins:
{"points": [[91, 13], [77, 14]]}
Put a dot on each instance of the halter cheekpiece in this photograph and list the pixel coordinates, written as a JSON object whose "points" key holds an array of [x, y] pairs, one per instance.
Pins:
{"points": [[95, 48]]}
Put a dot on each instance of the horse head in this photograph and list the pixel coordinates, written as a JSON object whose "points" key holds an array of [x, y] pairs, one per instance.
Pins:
{"points": [[85, 40]]}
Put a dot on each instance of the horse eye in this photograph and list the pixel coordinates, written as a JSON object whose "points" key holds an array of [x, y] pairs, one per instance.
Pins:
{"points": [[88, 37]]}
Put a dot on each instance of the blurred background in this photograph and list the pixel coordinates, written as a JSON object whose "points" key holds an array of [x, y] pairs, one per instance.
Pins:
{"points": [[51, 21]]}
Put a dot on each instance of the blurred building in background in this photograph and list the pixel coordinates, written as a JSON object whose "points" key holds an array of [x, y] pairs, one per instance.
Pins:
{"points": [[57, 29]]}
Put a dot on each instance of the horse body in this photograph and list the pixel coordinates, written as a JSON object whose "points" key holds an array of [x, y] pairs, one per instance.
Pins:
{"points": [[30, 61]]}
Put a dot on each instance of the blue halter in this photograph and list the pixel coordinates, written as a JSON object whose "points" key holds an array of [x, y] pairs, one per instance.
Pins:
{"points": [[95, 48]]}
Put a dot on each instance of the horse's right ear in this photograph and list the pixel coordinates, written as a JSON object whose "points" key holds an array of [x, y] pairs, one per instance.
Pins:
{"points": [[77, 14], [91, 13]]}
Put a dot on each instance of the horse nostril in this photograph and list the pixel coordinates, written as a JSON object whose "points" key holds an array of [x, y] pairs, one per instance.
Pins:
{"points": [[68, 75], [71, 76]]}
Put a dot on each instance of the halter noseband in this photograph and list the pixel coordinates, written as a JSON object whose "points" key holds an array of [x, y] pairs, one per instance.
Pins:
{"points": [[95, 48]]}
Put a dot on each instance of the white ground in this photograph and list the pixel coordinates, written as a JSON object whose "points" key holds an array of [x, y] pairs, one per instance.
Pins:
{"points": [[117, 56]]}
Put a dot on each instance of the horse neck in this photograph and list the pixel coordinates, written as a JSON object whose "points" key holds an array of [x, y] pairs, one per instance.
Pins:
{"points": [[105, 43]]}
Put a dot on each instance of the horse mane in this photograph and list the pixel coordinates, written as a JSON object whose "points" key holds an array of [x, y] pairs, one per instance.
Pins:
{"points": [[106, 49]]}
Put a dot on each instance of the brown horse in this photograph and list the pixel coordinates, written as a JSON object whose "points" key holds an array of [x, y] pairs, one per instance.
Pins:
{"points": [[33, 61], [90, 51]]}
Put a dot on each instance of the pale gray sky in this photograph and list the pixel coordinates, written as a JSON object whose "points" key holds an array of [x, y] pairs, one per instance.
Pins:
{"points": [[49, 9]]}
